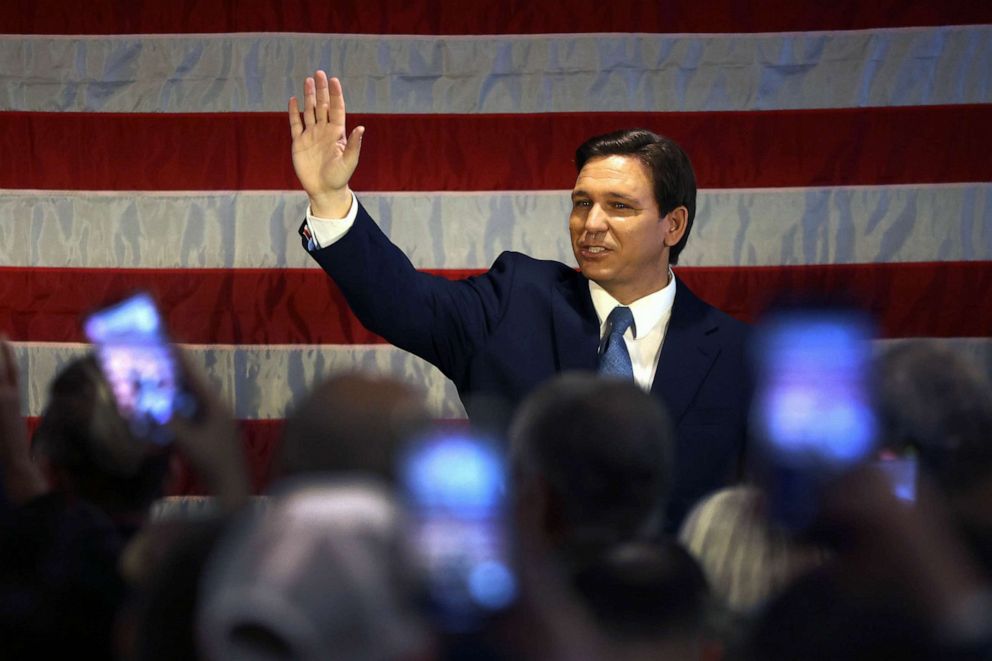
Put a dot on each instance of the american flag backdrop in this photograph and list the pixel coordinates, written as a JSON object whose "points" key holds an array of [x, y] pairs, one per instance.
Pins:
{"points": [[844, 146]]}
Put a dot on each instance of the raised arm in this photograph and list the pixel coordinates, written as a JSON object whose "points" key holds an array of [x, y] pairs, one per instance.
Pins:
{"points": [[19, 475], [324, 156]]}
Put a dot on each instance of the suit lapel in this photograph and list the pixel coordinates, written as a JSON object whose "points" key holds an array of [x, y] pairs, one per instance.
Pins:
{"points": [[576, 326], [689, 350]]}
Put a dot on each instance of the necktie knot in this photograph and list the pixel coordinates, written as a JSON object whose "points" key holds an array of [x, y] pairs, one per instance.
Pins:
{"points": [[620, 319], [614, 359]]}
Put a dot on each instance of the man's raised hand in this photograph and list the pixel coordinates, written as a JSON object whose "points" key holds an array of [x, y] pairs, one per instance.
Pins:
{"points": [[324, 157]]}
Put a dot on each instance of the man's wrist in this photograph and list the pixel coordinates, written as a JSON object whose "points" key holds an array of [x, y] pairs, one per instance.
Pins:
{"points": [[321, 232], [335, 204]]}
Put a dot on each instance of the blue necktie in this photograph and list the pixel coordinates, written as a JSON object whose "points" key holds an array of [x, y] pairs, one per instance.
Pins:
{"points": [[614, 359]]}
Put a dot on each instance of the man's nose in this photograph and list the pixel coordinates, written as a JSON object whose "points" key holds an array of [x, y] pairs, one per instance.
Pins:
{"points": [[595, 219]]}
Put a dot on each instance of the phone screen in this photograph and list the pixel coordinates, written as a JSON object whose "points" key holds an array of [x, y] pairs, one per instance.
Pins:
{"points": [[136, 358], [813, 402], [455, 491], [813, 416]]}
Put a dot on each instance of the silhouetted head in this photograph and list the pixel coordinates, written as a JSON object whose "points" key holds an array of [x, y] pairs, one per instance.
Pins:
{"points": [[322, 573], [88, 447], [934, 402], [351, 423], [591, 462]]}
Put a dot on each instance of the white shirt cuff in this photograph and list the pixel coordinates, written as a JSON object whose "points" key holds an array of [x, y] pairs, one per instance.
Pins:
{"points": [[325, 231]]}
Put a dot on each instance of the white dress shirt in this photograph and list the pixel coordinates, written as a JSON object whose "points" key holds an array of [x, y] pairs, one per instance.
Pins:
{"points": [[325, 231], [645, 337]]}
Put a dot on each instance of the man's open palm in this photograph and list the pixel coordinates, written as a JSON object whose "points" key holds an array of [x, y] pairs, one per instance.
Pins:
{"points": [[323, 157]]}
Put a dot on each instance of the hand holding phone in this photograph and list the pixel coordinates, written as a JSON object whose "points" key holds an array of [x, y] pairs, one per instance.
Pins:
{"points": [[140, 366], [454, 486], [813, 417]]}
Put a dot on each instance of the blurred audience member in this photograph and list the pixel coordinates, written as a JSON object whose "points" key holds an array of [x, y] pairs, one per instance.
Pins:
{"points": [[937, 406], [745, 557], [933, 401], [591, 466], [648, 599], [164, 561], [22, 478], [351, 423], [321, 574], [90, 454], [159, 621], [899, 586], [60, 588], [900, 583]]}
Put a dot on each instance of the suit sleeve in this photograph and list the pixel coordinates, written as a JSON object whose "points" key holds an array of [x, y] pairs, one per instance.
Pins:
{"points": [[443, 321]]}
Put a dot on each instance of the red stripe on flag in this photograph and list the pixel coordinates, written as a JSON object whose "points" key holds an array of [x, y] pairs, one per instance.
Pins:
{"points": [[250, 151], [302, 306], [260, 439], [478, 17]]}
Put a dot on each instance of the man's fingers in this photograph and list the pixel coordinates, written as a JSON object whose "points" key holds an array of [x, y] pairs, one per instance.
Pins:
{"points": [[295, 123], [323, 97], [354, 147], [335, 99], [309, 102]]}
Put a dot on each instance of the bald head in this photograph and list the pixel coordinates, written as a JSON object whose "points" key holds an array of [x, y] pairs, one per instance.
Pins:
{"points": [[351, 423]]}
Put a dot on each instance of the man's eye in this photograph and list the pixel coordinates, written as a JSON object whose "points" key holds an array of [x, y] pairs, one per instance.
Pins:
{"points": [[581, 203], [620, 205]]}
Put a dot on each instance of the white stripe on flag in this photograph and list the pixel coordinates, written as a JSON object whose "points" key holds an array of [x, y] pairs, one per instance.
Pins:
{"points": [[264, 382], [505, 74], [259, 382], [747, 227]]}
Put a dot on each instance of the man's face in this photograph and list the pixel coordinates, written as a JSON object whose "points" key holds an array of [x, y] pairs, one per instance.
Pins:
{"points": [[618, 237]]}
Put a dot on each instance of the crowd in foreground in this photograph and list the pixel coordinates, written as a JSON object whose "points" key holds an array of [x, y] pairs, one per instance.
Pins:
{"points": [[357, 551]]}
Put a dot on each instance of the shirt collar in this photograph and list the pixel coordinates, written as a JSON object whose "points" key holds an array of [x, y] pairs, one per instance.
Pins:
{"points": [[648, 311]]}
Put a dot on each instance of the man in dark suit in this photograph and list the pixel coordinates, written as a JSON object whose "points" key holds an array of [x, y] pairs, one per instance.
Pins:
{"points": [[501, 334]]}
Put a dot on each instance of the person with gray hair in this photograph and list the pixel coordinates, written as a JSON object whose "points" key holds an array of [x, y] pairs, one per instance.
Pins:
{"points": [[319, 575], [747, 560], [745, 557]]}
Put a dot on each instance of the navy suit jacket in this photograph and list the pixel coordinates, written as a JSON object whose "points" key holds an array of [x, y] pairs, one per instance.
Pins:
{"points": [[502, 333]]}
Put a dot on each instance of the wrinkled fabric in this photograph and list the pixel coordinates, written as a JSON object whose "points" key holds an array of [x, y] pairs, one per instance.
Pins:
{"points": [[262, 382], [733, 227], [514, 74]]}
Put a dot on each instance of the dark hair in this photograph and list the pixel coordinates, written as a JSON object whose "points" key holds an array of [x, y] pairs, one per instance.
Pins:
{"points": [[670, 168], [605, 449], [644, 591], [82, 433], [934, 401]]}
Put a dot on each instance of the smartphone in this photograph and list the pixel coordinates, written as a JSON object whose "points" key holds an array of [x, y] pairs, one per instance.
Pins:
{"points": [[139, 363], [812, 414], [455, 490]]}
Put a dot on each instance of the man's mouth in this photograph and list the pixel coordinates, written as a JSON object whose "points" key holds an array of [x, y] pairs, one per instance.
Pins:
{"points": [[595, 250]]}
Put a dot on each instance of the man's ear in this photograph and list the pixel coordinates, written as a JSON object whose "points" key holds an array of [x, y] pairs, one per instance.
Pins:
{"points": [[677, 221]]}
